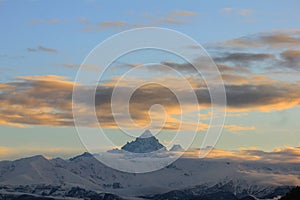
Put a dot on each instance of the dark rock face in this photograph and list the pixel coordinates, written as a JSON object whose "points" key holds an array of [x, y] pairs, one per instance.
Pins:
{"points": [[24, 197], [249, 198], [146, 143], [219, 196], [77, 192], [32, 193], [177, 194], [294, 194]]}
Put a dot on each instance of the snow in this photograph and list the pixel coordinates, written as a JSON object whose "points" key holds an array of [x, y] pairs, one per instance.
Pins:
{"points": [[85, 171], [88, 172]]}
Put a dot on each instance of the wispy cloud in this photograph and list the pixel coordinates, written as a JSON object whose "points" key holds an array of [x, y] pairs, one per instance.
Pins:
{"points": [[45, 21], [239, 128], [253, 51], [279, 155], [228, 9], [171, 20], [51, 152], [178, 17], [85, 66], [112, 24], [244, 57], [183, 13], [240, 12], [42, 49], [274, 40], [106, 25]]}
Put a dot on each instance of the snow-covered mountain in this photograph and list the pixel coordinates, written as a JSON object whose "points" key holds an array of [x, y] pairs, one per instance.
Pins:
{"points": [[190, 176], [84, 176]]}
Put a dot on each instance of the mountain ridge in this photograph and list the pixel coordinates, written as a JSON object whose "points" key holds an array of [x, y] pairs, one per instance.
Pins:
{"points": [[186, 174]]}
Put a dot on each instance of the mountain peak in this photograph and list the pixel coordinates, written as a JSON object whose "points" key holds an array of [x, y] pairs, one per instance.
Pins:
{"points": [[177, 147], [34, 158], [146, 134], [146, 143], [85, 154]]}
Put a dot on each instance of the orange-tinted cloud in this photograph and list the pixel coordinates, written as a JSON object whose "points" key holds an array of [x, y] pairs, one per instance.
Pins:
{"points": [[37, 100], [280, 155], [177, 17], [50, 152], [47, 100], [239, 128]]}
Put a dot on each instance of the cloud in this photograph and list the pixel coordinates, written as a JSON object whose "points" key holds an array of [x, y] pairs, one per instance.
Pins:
{"points": [[112, 24], [252, 52], [71, 66], [240, 12], [42, 49], [171, 20], [265, 97], [107, 25], [223, 68], [85, 66], [49, 152], [183, 13], [228, 9], [47, 100], [291, 59], [45, 21], [239, 128], [279, 155], [244, 58], [177, 17], [187, 67], [38, 100], [274, 40]]}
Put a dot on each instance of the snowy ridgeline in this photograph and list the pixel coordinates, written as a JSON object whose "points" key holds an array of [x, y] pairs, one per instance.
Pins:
{"points": [[85, 177], [57, 177]]}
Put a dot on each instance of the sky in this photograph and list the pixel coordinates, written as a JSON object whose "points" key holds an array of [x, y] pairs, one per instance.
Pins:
{"points": [[255, 44]]}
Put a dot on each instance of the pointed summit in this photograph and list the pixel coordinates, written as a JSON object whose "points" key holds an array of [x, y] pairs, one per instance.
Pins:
{"points": [[177, 147], [146, 143], [146, 134]]}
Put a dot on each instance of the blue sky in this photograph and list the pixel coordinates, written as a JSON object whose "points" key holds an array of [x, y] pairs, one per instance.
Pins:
{"points": [[42, 38]]}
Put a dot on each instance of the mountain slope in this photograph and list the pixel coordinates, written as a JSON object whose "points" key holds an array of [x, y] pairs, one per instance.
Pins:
{"points": [[38, 170]]}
